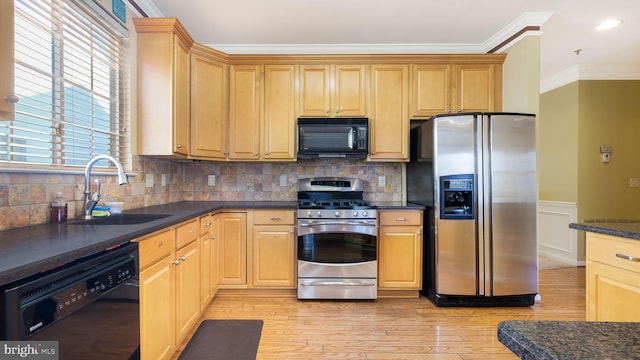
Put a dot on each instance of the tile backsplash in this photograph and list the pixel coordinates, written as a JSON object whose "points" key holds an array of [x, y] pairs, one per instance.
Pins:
{"points": [[25, 197]]}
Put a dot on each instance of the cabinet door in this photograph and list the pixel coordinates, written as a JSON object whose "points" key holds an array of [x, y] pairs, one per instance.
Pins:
{"points": [[279, 112], [244, 112], [233, 249], [206, 268], [208, 107], [187, 289], [157, 310], [349, 94], [389, 121], [181, 124], [274, 256], [7, 66], [474, 88], [215, 253], [315, 98], [400, 257], [430, 90]]}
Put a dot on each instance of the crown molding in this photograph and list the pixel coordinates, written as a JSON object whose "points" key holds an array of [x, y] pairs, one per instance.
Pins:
{"points": [[147, 7], [590, 72]]}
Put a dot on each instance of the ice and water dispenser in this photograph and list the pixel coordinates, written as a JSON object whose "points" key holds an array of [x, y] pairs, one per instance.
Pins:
{"points": [[457, 197]]}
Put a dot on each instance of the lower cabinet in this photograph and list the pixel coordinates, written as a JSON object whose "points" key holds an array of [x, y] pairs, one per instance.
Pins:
{"points": [[400, 250], [612, 278], [233, 248], [273, 254], [170, 281]]}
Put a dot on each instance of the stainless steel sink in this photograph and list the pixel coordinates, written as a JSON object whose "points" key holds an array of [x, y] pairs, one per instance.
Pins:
{"points": [[121, 219]]}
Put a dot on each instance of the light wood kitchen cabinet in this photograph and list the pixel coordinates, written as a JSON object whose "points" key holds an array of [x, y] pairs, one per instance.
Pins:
{"points": [[273, 258], [279, 122], [215, 253], [262, 113], [188, 285], [157, 296], [448, 88], [400, 250], [337, 90], [163, 75], [233, 249], [430, 90], [7, 67], [209, 91], [244, 112], [478, 87], [170, 283], [389, 117], [207, 261], [612, 278]]}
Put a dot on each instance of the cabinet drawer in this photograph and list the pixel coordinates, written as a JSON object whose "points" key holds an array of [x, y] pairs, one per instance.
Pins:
{"points": [[155, 247], [614, 251], [187, 233], [400, 217], [274, 217]]}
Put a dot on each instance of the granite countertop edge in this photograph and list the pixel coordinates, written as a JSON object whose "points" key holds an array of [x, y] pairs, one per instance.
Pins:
{"points": [[36, 249], [549, 339], [629, 229]]}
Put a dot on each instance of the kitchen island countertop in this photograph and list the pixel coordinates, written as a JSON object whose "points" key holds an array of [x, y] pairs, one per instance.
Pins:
{"points": [[629, 229], [545, 339]]}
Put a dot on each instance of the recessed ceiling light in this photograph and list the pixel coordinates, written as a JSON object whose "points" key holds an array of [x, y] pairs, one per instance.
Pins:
{"points": [[609, 24]]}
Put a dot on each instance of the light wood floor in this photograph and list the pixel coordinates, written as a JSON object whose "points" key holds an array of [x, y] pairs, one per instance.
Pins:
{"points": [[396, 328]]}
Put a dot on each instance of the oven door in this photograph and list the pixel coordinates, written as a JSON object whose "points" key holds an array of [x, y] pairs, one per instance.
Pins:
{"points": [[341, 241], [337, 259]]}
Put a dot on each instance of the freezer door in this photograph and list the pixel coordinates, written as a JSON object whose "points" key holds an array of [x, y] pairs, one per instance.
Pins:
{"points": [[456, 249], [511, 213]]}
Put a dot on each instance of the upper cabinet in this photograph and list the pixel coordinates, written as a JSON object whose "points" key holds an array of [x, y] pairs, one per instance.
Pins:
{"points": [[7, 67], [389, 116], [447, 88], [244, 112], [333, 90], [262, 112], [209, 89], [163, 87]]}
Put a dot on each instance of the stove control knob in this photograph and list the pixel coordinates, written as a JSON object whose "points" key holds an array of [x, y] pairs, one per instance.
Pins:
{"points": [[364, 213], [355, 214], [309, 214], [337, 213], [319, 213]]}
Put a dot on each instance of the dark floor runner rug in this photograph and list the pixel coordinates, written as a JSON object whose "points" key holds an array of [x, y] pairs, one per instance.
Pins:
{"points": [[224, 339]]}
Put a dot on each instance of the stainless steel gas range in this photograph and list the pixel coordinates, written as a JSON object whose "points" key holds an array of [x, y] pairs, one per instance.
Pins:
{"points": [[337, 240]]}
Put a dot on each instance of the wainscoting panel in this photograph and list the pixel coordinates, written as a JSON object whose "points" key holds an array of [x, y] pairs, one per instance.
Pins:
{"points": [[555, 239]]}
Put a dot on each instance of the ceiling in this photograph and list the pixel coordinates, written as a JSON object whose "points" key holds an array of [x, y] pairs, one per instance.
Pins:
{"points": [[416, 26]]}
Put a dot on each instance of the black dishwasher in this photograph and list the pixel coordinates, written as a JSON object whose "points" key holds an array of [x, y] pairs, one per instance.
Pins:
{"points": [[91, 307]]}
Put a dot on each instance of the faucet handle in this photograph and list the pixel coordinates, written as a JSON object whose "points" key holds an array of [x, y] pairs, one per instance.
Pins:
{"points": [[97, 186]]}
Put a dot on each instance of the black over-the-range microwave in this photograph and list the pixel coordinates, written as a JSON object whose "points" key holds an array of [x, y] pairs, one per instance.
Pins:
{"points": [[333, 138]]}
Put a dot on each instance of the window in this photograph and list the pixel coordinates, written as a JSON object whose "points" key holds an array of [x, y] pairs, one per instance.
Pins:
{"points": [[71, 76]]}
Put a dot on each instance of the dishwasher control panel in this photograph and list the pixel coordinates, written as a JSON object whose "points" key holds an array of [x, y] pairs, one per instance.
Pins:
{"points": [[71, 294]]}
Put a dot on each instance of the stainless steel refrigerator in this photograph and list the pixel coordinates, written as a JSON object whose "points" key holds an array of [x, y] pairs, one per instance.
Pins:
{"points": [[476, 174]]}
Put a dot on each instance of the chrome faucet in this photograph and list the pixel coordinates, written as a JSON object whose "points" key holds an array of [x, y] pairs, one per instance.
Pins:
{"points": [[92, 198]]}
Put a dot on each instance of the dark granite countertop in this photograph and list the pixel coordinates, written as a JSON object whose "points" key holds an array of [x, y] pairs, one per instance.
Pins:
{"points": [[31, 250], [623, 228], [571, 339], [35, 249]]}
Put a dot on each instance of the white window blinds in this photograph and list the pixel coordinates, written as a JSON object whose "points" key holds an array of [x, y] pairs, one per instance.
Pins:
{"points": [[71, 77]]}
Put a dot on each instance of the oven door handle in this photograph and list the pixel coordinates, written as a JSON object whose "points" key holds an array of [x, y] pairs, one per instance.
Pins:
{"points": [[356, 223], [334, 283]]}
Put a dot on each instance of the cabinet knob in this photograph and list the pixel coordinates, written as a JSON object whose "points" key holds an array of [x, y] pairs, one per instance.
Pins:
{"points": [[327, 112], [176, 262], [183, 258], [401, 219], [11, 99], [212, 237], [274, 218], [337, 111], [419, 233], [179, 146]]}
